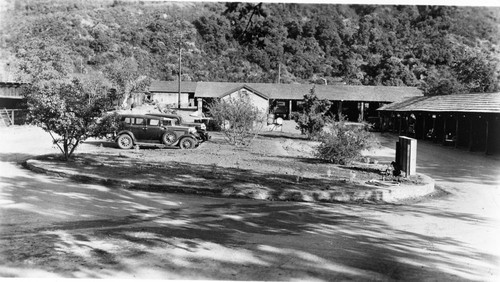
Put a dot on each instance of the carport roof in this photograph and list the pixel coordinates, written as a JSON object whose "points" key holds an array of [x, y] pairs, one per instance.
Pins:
{"points": [[334, 92], [479, 103]]}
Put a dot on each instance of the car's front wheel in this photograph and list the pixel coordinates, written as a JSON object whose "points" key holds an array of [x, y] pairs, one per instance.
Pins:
{"points": [[187, 143], [125, 141], [168, 138]]}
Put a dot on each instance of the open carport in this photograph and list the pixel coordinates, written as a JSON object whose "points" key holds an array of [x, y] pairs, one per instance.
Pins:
{"points": [[469, 121]]}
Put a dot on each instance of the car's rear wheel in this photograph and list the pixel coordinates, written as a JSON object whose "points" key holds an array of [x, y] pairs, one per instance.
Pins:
{"points": [[168, 138], [187, 143], [125, 141]]}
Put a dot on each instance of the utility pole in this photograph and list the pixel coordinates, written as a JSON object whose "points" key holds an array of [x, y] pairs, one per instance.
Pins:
{"points": [[279, 73], [180, 75]]}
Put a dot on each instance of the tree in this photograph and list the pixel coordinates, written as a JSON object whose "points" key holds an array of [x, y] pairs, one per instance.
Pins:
{"points": [[238, 119], [313, 117], [64, 105], [126, 78], [67, 109], [477, 71]]}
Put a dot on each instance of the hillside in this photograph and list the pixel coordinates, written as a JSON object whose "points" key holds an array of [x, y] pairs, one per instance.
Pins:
{"points": [[442, 50]]}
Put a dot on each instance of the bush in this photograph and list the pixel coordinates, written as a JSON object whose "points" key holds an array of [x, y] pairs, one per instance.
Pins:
{"points": [[342, 143], [108, 123], [237, 119], [313, 117]]}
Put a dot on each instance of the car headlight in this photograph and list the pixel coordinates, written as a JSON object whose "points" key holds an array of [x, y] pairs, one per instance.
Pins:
{"points": [[203, 126], [192, 130]]}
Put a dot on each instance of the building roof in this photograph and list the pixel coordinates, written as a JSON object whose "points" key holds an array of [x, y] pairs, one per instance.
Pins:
{"points": [[172, 86], [247, 88], [297, 91], [480, 103]]}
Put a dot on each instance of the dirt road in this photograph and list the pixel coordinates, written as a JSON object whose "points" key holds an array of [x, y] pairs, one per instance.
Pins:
{"points": [[54, 228]]}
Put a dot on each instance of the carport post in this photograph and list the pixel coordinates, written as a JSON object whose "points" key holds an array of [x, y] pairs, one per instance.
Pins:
{"points": [[471, 135], [487, 137], [424, 129], [444, 130], [400, 121]]}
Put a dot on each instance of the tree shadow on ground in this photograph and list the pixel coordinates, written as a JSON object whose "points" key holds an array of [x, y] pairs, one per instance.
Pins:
{"points": [[174, 176], [92, 231]]}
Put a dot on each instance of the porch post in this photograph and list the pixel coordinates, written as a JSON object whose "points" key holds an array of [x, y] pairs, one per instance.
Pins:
{"points": [[200, 105], [362, 109], [290, 110]]}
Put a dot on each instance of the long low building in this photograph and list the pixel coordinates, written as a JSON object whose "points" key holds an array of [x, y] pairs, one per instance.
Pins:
{"points": [[354, 102], [462, 120]]}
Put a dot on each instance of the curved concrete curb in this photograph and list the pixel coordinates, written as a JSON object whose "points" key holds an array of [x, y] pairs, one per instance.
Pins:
{"points": [[376, 195]]}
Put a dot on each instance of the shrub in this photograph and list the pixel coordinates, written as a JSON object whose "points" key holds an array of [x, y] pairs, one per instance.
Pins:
{"points": [[342, 143], [237, 118], [313, 117], [108, 123]]}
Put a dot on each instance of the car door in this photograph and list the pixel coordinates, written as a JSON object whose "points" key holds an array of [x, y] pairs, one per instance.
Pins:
{"points": [[154, 129], [139, 129]]}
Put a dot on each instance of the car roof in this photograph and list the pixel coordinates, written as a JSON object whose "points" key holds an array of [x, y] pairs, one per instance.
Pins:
{"points": [[136, 115], [163, 115]]}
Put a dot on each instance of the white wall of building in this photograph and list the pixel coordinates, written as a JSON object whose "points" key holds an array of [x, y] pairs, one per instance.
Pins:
{"points": [[261, 103], [171, 99]]}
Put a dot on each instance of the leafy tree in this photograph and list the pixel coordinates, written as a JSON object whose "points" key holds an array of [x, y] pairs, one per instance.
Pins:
{"points": [[63, 104], [313, 117], [441, 81], [67, 109], [477, 71], [126, 78]]}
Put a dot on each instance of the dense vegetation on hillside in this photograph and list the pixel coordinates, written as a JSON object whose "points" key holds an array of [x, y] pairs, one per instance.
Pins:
{"points": [[441, 49]]}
